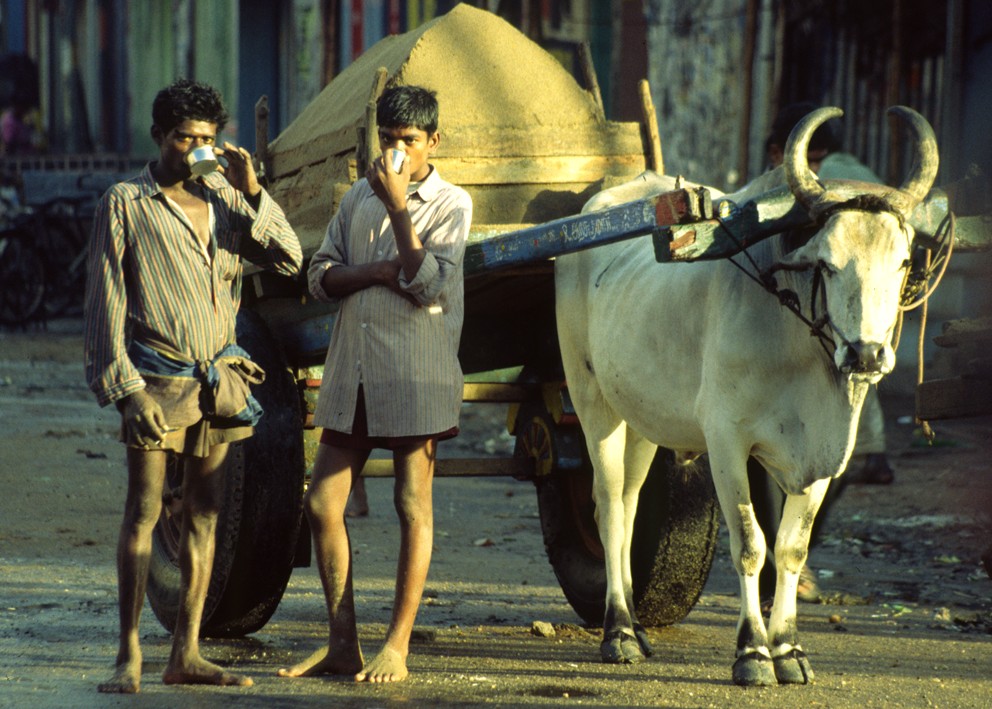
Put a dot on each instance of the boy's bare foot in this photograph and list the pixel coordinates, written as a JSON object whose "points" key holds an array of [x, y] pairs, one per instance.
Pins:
{"points": [[126, 679], [323, 662], [387, 666], [203, 672]]}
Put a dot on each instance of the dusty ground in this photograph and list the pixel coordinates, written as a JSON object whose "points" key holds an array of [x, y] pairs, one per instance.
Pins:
{"points": [[907, 622]]}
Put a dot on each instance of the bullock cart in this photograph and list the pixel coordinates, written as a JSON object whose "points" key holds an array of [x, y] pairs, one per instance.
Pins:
{"points": [[531, 146]]}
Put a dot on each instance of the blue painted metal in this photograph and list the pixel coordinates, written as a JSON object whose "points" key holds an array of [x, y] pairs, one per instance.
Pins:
{"points": [[776, 211], [562, 236]]}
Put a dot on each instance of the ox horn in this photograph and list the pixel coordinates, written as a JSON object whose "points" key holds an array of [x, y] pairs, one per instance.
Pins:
{"points": [[815, 198], [924, 170], [802, 181]]}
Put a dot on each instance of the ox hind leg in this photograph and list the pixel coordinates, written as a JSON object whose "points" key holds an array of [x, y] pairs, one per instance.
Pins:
{"points": [[791, 547], [621, 460], [753, 665]]}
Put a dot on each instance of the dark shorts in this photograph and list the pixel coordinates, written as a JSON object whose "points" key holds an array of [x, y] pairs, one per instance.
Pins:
{"points": [[359, 438]]}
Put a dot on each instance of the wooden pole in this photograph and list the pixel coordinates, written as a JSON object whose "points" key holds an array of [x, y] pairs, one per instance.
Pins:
{"points": [[750, 32], [368, 135], [589, 75], [262, 136], [653, 137]]}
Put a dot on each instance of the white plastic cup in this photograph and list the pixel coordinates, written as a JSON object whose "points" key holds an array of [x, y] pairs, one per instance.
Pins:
{"points": [[396, 158], [202, 161]]}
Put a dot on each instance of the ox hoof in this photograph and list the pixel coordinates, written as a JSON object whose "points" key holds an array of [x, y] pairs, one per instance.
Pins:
{"points": [[754, 669], [793, 668], [642, 638], [621, 648]]}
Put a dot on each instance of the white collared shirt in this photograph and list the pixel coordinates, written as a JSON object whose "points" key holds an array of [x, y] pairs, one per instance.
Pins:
{"points": [[405, 355]]}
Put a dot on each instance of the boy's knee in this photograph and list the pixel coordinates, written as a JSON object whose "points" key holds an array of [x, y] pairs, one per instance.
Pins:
{"points": [[143, 514], [311, 506], [414, 506]]}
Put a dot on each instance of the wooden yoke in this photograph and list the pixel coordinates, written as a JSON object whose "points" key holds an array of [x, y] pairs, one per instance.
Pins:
{"points": [[583, 231]]}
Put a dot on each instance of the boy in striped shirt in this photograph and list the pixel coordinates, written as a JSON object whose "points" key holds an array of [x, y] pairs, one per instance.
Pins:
{"points": [[392, 260], [162, 295]]}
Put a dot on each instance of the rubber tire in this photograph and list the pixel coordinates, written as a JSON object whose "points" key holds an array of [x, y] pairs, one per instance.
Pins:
{"points": [[675, 536], [261, 516]]}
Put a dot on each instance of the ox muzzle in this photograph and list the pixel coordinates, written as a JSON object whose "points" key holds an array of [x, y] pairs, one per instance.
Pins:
{"points": [[865, 360]]}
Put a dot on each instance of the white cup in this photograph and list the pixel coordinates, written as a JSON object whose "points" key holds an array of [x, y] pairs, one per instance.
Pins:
{"points": [[396, 158], [202, 161]]}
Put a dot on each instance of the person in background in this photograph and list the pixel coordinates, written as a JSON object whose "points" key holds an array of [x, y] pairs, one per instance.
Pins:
{"points": [[20, 133], [828, 161], [392, 257], [162, 294]]}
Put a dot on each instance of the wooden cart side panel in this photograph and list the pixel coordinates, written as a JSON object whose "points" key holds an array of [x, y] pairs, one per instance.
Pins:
{"points": [[602, 140]]}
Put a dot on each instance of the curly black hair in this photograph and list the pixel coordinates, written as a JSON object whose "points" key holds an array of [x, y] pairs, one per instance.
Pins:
{"points": [[186, 99]]}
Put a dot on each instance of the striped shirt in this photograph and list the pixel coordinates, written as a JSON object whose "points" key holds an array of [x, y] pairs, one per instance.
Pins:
{"points": [[404, 355], [149, 277]]}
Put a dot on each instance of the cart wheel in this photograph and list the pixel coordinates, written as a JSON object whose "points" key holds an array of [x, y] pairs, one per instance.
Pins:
{"points": [[22, 280], [675, 534], [260, 519]]}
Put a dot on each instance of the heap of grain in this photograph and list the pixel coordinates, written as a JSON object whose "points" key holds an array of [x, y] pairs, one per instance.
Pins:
{"points": [[517, 131]]}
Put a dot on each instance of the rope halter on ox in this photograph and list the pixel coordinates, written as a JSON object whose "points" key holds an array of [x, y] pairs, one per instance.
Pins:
{"points": [[821, 204]]}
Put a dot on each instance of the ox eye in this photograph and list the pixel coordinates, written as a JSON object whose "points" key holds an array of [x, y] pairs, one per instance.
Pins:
{"points": [[827, 269]]}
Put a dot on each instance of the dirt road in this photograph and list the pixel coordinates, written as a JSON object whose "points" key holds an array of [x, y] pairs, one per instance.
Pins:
{"points": [[907, 622]]}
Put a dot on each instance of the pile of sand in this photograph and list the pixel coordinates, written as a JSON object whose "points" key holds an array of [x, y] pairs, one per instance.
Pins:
{"points": [[518, 132], [485, 72]]}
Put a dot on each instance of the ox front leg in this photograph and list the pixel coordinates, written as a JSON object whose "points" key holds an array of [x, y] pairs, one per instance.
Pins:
{"points": [[753, 665], [791, 547], [620, 643], [638, 455]]}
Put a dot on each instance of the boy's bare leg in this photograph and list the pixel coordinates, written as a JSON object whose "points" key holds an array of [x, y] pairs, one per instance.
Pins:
{"points": [[203, 485], [145, 473], [413, 497], [358, 501], [334, 470]]}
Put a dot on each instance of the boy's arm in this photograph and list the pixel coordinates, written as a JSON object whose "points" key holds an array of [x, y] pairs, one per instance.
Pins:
{"points": [[109, 371], [444, 251], [272, 243], [331, 277], [280, 247], [337, 281], [390, 187]]}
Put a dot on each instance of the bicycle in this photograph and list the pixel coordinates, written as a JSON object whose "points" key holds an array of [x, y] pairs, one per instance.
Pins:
{"points": [[63, 227], [22, 272], [43, 256]]}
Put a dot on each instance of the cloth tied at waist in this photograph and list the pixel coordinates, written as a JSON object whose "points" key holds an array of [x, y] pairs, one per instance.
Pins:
{"points": [[218, 390]]}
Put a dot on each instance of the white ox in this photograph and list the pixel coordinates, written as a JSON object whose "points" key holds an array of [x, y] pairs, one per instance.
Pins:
{"points": [[699, 358]]}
